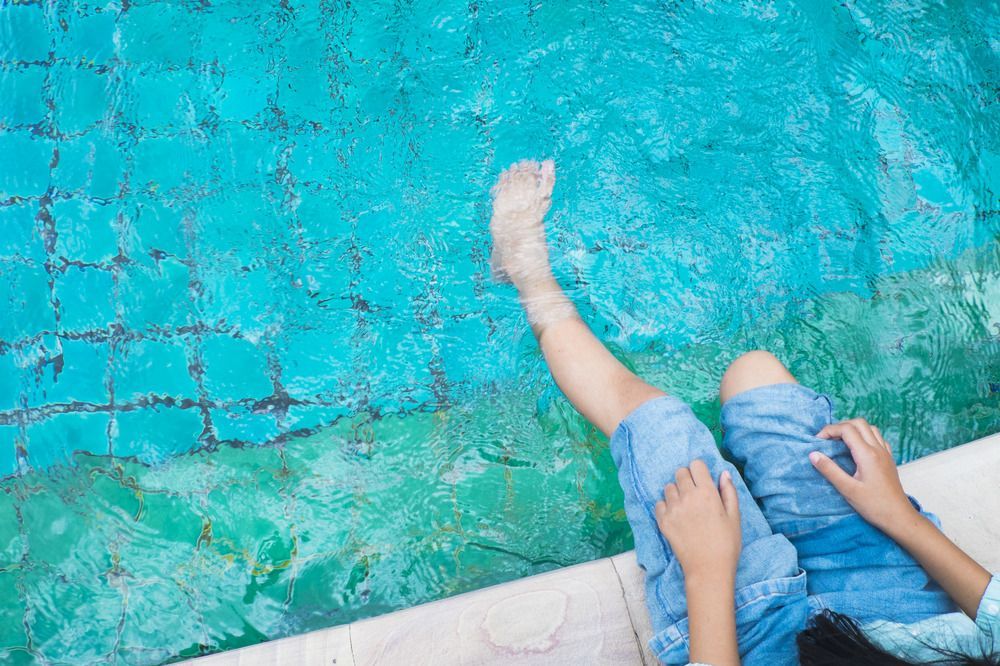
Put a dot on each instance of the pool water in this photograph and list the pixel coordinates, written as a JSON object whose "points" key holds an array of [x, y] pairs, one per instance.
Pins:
{"points": [[254, 376]]}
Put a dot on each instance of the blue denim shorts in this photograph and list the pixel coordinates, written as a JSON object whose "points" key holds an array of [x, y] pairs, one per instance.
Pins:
{"points": [[804, 547]]}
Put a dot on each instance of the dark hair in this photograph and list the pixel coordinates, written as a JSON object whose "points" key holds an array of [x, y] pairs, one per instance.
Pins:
{"points": [[832, 639]]}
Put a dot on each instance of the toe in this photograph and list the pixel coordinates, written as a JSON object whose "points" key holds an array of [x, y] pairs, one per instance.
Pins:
{"points": [[501, 183], [526, 165], [547, 176]]}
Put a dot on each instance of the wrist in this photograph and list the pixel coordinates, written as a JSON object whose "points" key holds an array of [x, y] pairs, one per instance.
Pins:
{"points": [[901, 522], [719, 576]]}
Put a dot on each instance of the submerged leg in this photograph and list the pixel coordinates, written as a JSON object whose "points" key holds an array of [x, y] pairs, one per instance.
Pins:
{"points": [[602, 389]]}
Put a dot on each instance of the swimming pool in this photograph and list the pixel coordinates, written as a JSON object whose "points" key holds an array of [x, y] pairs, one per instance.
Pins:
{"points": [[255, 377]]}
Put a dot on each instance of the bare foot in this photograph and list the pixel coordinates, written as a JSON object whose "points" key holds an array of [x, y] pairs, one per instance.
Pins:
{"points": [[521, 198]]}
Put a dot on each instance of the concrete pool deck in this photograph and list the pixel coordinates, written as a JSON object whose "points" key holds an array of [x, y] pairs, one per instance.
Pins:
{"points": [[595, 612]]}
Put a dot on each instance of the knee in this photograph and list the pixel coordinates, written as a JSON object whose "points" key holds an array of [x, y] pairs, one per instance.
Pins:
{"points": [[753, 369]]}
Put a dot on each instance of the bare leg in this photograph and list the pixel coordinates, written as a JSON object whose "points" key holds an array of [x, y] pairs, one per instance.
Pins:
{"points": [[602, 389], [753, 369]]}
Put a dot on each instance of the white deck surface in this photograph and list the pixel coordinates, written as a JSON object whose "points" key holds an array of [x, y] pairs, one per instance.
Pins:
{"points": [[594, 613]]}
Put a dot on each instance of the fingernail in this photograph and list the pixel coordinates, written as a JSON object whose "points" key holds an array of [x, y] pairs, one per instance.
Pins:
{"points": [[726, 476], [814, 457]]}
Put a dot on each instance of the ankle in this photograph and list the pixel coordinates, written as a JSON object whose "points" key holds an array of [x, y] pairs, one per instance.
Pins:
{"points": [[547, 308], [538, 285]]}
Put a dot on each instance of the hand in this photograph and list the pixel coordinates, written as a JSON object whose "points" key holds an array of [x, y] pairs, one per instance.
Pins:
{"points": [[701, 522], [874, 491]]}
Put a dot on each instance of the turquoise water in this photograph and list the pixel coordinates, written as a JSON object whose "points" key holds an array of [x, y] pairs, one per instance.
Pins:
{"points": [[254, 377]]}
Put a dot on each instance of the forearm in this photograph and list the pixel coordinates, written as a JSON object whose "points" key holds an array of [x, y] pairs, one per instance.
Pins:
{"points": [[712, 619], [962, 577]]}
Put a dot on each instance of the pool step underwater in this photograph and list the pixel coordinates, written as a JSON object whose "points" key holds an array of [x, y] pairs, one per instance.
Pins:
{"points": [[594, 613]]}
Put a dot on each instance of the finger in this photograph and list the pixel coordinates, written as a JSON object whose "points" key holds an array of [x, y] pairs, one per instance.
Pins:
{"points": [[881, 439], [835, 430], [867, 432], [660, 510], [683, 478], [670, 493], [852, 428], [730, 499], [525, 165], [700, 473], [860, 450], [832, 472]]}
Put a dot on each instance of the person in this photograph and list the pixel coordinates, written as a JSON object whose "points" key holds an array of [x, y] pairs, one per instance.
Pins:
{"points": [[813, 553]]}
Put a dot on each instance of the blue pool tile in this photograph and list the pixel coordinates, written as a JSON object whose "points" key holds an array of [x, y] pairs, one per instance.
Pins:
{"points": [[8, 449], [162, 34], [23, 32], [321, 215], [85, 299], [154, 296], [21, 91], [34, 360], [314, 159], [24, 298], [10, 380], [242, 96], [304, 92], [234, 369], [240, 423], [236, 297], [24, 171], [155, 226], [85, 230], [153, 434], [313, 363], [230, 35], [19, 233], [144, 367], [263, 234], [246, 155], [90, 163], [54, 440], [164, 99], [80, 376], [90, 39], [81, 100], [160, 163]]}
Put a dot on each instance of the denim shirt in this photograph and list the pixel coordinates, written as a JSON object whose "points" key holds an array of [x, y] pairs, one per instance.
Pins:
{"points": [[954, 632]]}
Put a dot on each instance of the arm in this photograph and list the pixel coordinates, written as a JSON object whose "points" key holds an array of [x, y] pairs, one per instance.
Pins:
{"points": [[876, 493], [961, 576], [702, 525], [712, 619]]}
